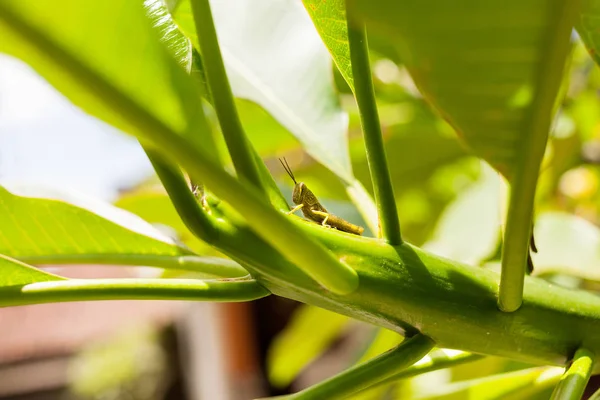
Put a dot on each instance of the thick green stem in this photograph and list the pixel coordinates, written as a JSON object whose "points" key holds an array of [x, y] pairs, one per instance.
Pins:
{"points": [[572, 384], [238, 144], [517, 235], [369, 373], [216, 266], [367, 106], [131, 289]]}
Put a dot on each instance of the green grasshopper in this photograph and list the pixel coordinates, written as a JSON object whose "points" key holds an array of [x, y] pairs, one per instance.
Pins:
{"points": [[312, 208]]}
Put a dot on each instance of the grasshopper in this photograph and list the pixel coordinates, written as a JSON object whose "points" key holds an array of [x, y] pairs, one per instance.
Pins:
{"points": [[312, 209]]}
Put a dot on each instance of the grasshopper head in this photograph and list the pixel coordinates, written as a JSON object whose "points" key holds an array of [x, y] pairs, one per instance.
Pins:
{"points": [[298, 193]]}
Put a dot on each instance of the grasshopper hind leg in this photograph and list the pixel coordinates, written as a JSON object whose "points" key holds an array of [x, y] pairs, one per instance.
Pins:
{"points": [[323, 214]]}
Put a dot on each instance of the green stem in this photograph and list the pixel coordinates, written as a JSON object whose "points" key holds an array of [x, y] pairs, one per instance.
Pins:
{"points": [[369, 373], [131, 289], [184, 201], [275, 196], [524, 181], [365, 98], [572, 384], [238, 144], [219, 267]]}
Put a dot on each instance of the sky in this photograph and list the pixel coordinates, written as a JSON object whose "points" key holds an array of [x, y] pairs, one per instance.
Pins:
{"points": [[46, 139]]}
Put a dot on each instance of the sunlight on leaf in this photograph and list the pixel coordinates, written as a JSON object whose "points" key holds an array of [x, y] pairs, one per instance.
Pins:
{"points": [[179, 45], [330, 20], [275, 58], [42, 223], [127, 57]]}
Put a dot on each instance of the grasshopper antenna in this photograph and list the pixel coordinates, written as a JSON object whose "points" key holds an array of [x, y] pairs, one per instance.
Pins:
{"points": [[287, 169]]}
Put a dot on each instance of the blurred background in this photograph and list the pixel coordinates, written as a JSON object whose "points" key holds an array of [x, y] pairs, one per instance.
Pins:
{"points": [[449, 202]]}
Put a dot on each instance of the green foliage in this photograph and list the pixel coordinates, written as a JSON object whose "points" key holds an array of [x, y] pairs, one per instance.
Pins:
{"points": [[492, 70], [45, 225]]}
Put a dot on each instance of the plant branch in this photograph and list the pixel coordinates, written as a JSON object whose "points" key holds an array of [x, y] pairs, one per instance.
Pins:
{"points": [[132, 289], [217, 266], [238, 144], [367, 374], [572, 384], [517, 235], [365, 98]]}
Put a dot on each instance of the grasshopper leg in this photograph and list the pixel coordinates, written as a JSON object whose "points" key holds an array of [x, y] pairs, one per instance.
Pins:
{"points": [[293, 210], [323, 214]]}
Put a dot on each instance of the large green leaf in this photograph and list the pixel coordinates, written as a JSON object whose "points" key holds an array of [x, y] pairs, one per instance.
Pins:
{"points": [[275, 58], [298, 344], [126, 54], [45, 225], [492, 68], [15, 273]]}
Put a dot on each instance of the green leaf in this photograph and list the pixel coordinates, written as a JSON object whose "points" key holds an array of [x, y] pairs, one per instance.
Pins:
{"points": [[275, 58], [567, 244], [127, 55], [298, 344], [16, 273], [42, 225], [469, 228], [485, 66], [329, 18], [522, 385]]}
